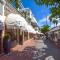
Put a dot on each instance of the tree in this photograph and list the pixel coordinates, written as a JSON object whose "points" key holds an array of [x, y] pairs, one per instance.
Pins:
{"points": [[55, 22], [54, 6], [45, 29]]}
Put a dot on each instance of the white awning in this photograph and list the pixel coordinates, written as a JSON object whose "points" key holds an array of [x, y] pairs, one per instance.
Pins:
{"points": [[30, 29], [2, 18], [39, 32], [15, 21]]}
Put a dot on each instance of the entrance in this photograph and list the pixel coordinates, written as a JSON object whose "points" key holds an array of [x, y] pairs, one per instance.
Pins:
{"points": [[0, 41]]}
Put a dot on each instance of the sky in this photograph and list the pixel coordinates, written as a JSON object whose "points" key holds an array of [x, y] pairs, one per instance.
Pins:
{"points": [[39, 12]]}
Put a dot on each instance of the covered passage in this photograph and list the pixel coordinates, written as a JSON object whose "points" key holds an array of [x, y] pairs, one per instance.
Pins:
{"points": [[18, 28]]}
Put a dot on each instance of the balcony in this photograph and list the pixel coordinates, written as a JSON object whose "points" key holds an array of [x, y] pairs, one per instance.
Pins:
{"points": [[10, 9]]}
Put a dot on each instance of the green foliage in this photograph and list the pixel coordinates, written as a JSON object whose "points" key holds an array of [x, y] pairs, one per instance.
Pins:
{"points": [[45, 28], [55, 21], [6, 36], [55, 12], [47, 2], [55, 6]]}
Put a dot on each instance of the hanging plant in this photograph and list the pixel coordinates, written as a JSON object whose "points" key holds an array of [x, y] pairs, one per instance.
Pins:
{"points": [[6, 36]]}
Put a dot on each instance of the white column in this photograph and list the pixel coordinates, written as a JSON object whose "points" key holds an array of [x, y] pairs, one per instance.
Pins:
{"points": [[18, 36], [28, 35], [3, 6], [3, 19], [3, 3], [3, 10], [21, 33], [23, 36]]}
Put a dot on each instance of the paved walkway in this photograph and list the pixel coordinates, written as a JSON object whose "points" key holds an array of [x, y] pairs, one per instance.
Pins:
{"points": [[47, 50], [34, 50]]}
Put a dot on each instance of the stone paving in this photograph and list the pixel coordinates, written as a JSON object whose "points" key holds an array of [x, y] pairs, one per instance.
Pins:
{"points": [[47, 50], [34, 50]]}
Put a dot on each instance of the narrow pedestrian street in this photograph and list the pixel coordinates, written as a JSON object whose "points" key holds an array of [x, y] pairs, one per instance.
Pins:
{"points": [[47, 50], [29, 29], [43, 50]]}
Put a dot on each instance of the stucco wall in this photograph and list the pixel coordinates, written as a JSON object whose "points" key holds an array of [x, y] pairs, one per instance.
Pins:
{"points": [[1, 9]]}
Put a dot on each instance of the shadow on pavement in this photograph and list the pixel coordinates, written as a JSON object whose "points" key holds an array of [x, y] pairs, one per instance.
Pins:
{"points": [[47, 52]]}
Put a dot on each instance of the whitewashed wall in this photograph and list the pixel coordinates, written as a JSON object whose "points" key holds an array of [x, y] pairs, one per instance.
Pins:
{"points": [[1, 9]]}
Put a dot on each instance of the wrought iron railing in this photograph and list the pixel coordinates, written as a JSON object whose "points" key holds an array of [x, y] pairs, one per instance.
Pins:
{"points": [[10, 6]]}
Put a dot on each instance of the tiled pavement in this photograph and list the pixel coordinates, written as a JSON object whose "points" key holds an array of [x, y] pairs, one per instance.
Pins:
{"points": [[34, 50]]}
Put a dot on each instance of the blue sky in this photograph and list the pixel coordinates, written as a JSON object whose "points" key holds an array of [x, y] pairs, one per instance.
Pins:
{"points": [[40, 12]]}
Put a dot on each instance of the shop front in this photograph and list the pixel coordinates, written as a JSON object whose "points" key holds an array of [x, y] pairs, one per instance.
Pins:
{"points": [[54, 36]]}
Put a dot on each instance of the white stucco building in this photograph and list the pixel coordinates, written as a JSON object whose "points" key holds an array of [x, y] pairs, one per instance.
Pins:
{"points": [[28, 15]]}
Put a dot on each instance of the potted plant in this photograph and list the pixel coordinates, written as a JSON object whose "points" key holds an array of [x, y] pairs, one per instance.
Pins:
{"points": [[6, 43]]}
